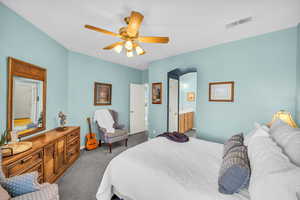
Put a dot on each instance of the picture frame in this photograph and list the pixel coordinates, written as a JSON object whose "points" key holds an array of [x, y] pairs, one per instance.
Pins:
{"points": [[102, 94], [190, 96], [221, 91], [156, 93]]}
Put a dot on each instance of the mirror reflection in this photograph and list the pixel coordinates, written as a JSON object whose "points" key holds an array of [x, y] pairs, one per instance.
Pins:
{"points": [[27, 104]]}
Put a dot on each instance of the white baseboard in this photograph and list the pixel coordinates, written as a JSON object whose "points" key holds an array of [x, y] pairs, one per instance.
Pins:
{"points": [[137, 132]]}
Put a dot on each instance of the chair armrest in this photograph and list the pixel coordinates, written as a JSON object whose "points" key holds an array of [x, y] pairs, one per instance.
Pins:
{"points": [[47, 192], [103, 130], [102, 133], [119, 126], [44, 185]]}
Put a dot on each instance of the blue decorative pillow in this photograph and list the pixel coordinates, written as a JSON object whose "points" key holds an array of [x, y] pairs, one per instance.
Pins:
{"points": [[235, 171], [23, 184]]}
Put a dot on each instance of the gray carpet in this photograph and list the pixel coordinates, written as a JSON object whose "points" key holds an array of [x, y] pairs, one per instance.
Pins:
{"points": [[191, 133], [81, 181]]}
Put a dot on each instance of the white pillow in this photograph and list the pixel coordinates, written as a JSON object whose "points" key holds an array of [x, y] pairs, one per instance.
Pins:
{"points": [[265, 155], [282, 132], [292, 149], [277, 186], [288, 138], [273, 176], [257, 127]]}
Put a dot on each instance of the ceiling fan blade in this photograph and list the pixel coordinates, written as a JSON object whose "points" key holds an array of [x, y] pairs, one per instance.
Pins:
{"points": [[101, 30], [134, 24], [113, 45], [153, 39]]}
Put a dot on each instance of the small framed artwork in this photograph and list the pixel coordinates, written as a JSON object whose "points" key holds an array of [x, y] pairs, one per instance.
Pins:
{"points": [[191, 96], [102, 94], [156, 93], [221, 91]]}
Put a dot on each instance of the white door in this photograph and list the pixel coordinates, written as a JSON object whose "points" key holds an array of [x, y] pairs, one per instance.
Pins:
{"points": [[173, 105], [137, 108]]}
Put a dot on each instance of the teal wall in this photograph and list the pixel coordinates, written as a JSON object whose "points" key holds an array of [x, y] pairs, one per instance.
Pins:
{"points": [[188, 83], [71, 75], [83, 72], [145, 74], [264, 71], [298, 77], [22, 40]]}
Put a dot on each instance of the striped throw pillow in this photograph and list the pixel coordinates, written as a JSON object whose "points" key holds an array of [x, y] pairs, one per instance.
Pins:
{"points": [[234, 141]]}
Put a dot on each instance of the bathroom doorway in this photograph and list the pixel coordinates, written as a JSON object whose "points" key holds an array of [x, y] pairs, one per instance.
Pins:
{"points": [[182, 94]]}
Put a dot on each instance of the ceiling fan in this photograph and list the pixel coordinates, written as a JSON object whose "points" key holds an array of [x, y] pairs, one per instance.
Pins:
{"points": [[130, 36]]}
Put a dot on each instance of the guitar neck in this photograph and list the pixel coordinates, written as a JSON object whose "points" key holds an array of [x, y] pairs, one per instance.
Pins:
{"points": [[90, 126]]}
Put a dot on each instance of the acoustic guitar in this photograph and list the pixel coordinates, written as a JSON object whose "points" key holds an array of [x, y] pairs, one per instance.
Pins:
{"points": [[91, 140]]}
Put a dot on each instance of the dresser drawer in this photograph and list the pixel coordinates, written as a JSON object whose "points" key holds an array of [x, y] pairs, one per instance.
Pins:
{"points": [[73, 136], [74, 144], [38, 168], [73, 150], [23, 165], [72, 155]]}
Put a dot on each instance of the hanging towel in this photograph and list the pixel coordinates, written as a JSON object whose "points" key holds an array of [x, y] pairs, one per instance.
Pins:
{"points": [[104, 119]]}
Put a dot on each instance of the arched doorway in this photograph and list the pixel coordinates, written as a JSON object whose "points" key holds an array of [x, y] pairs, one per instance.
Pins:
{"points": [[181, 105]]}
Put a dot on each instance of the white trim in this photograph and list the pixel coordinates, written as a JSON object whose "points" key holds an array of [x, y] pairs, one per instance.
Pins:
{"points": [[82, 147], [137, 133]]}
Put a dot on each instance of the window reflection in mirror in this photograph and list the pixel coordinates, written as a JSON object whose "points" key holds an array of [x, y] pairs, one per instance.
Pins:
{"points": [[27, 104]]}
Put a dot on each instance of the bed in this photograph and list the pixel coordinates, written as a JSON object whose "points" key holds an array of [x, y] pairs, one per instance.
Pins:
{"points": [[161, 169]]}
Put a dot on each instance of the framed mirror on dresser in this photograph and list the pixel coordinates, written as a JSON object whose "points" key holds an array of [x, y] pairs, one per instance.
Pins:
{"points": [[26, 99]]}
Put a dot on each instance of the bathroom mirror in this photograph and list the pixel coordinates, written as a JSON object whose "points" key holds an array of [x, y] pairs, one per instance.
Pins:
{"points": [[26, 110]]}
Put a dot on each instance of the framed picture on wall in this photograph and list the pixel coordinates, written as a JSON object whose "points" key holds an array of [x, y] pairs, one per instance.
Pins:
{"points": [[191, 96], [102, 94], [156, 93], [221, 91]]}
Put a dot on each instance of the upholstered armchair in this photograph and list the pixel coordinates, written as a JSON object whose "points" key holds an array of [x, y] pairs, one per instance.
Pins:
{"points": [[45, 191], [120, 134]]}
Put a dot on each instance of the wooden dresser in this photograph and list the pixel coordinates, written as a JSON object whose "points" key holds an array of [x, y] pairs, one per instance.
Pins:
{"points": [[51, 154]]}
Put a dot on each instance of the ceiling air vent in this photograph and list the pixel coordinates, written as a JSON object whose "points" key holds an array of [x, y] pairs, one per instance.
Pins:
{"points": [[239, 22]]}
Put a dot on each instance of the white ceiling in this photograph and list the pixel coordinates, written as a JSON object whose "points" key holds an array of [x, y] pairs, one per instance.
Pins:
{"points": [[190, 24]]}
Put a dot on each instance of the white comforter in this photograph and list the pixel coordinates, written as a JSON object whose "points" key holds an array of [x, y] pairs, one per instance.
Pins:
{"points": [[164, 170]]}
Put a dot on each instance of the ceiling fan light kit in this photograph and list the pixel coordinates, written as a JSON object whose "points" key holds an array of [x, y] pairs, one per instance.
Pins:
{"points": [[139, 50], [128, 45], [118, 48], [129, 54], [130, 36]]}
